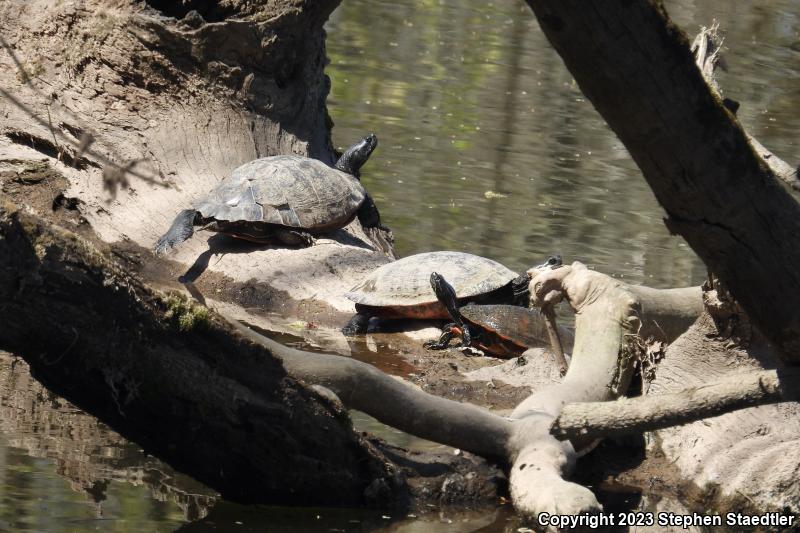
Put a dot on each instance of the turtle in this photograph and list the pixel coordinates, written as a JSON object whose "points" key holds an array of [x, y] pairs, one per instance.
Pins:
{"points": [[500, 330], [287, 197], [401, 289]]}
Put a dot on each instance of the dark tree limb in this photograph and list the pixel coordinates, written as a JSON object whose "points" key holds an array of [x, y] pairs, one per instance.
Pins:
{"points": [[396, 402], [637, 69], [173, 377]]}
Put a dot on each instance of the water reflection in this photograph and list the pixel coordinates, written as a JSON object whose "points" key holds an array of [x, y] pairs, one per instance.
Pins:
{"points": [[471, 99], [63, 470]]}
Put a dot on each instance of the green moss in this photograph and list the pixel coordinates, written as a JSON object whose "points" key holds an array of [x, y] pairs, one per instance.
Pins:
{"points": [[184, 314]]}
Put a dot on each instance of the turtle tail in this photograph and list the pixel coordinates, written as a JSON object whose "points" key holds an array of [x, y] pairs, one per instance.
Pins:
{"points": [[181, 229]]}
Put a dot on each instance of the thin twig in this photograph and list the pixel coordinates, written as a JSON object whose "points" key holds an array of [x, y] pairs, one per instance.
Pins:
{"points": [[83, 146]]}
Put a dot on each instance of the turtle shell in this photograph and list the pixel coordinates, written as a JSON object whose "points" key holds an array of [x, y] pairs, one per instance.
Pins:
{"points": [[403, 288], [285, 190], [514, 326]]}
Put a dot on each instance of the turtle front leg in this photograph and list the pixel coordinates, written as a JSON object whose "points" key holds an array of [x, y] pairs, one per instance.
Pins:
{"points": [[368, 214], [292, 237]]}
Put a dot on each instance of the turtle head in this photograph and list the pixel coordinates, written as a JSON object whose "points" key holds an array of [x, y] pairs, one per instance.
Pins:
{"points": [[354, 157], [553, 262]]}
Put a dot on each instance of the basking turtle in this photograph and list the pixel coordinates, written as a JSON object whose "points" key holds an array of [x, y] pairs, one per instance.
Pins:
{"points": [[285, 196], [501, 330], [401, 289]]}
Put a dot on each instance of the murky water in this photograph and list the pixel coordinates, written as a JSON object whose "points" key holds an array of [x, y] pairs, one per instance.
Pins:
{"points": [[486, 146]]}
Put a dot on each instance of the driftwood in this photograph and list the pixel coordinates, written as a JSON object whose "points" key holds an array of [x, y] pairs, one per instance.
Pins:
{"points": [[658, 411], [608, 314]]}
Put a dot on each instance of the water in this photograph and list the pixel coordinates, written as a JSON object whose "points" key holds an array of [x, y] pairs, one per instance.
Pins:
{"points": [[487, 146]]}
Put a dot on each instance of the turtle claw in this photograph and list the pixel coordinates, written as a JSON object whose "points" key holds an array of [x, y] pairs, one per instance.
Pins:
{"points": [[435, 345], [356, 326]]}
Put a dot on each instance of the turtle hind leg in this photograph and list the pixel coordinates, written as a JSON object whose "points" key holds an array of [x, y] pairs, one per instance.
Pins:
{"points": [[181, 229], [356, 326], [292, 237]]}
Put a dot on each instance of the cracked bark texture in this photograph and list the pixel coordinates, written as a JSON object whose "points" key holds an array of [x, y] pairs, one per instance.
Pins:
{"points": [[637, 69], [749, 456]]}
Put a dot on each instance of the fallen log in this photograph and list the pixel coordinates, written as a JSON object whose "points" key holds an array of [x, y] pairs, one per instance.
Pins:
{"points": [[192, 389], [141, 361]]}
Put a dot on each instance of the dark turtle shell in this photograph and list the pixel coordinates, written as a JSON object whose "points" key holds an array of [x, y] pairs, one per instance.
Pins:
{"points": [[285, 190], [510, 329], [402, 289]]}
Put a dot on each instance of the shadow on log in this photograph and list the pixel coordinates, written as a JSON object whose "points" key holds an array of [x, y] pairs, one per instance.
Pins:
{"points": [[140, 360], [180, 381]]}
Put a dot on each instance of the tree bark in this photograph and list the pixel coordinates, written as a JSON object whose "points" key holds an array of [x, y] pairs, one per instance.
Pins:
{"points": [[706, 49], [637, 69], [140, 361]]}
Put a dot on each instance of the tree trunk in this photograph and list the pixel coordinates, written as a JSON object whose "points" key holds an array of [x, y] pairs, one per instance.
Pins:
{"points": [[158, 110], [637, 69]]}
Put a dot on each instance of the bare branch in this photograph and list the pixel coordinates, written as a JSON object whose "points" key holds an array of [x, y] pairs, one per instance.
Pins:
{"points": [[579, 421], [707, 48], [395, 402]]}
